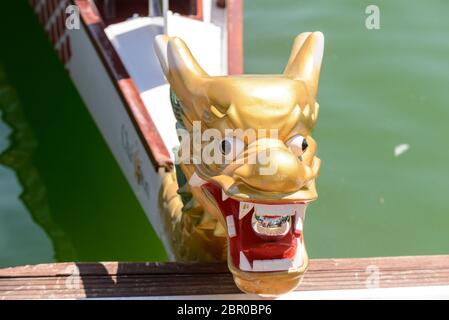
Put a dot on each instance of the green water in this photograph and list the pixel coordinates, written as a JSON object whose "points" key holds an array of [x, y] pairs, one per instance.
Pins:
{"points": [[63, 197], [378, 89]]}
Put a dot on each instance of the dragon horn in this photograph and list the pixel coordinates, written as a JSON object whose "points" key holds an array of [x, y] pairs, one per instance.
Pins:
{"points": [[185, 75], [299, 41], [305, 60]]}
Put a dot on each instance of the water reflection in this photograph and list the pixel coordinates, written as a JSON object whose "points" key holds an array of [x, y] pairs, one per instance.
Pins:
{"points": [[23, 205], [72, 187]]}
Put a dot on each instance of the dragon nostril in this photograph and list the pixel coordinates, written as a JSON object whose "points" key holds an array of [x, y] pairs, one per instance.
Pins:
{"points": [[281, 172]]}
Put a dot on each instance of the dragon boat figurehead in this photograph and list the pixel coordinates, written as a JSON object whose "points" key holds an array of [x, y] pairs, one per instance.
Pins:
{"points": [[262, 127]]}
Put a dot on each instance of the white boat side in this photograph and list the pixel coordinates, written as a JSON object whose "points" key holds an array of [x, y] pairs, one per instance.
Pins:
{"points": [[116, 72]]}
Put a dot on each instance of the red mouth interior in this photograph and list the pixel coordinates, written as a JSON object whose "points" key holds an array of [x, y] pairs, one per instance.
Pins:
{"points": [[253, 246]]}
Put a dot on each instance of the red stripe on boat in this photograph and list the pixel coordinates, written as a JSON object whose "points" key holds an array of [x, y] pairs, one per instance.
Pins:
{"points": [[69, 50], [151, 139], [61, 23]]}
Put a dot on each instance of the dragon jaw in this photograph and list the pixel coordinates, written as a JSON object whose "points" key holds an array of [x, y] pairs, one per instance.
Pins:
{"points": [[264, 263]]}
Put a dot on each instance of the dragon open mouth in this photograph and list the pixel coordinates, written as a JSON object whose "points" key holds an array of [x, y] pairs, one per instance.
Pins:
{"points": [[263, 237]]}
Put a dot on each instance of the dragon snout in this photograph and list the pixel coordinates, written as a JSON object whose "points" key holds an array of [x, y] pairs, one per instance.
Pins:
{"points": [[275, 170]]}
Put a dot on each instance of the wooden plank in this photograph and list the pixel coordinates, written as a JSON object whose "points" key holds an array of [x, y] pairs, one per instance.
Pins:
{"points": [[114, 268], [121, 279]]}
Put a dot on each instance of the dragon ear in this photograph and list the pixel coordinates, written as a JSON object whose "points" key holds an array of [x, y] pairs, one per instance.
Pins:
{"points": [[180, 67], [305, 59]]}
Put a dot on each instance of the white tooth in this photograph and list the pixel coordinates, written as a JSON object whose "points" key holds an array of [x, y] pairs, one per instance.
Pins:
{"points": [[272, 265], [298, 224], [300, 215], [244, 208], [244, 263], [231, 226], [196, 181], [275, 210], [298, 259], [224, 196]]}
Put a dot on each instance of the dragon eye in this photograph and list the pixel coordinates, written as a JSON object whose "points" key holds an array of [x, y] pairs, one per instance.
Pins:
{"points": [[298, 144], [231, 146], [225, 147]]}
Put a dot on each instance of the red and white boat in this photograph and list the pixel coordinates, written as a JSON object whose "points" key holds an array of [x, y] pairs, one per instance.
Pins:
{"points": [[107, 48]]}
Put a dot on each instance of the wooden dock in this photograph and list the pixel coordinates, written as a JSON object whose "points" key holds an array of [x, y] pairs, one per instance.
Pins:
{"points": [[390, 277]]}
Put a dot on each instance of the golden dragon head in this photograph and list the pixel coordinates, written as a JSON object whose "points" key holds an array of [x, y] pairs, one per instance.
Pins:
{"points": [[250, 158]]}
